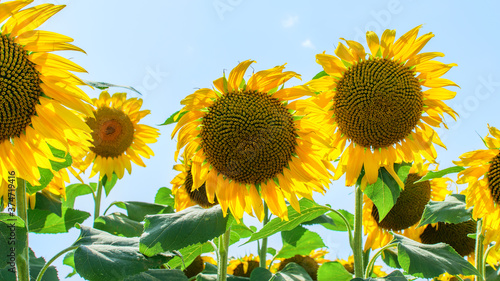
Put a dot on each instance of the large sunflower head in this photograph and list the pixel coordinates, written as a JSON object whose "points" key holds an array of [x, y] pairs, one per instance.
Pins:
{"points": [[248, 141], [39, 97], [453, 234], [406, 213], [117, 137], [185, 195], [482, 174], [383, 104]]}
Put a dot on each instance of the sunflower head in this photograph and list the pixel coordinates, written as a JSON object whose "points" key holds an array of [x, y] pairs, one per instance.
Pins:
{"points": [[406, 212], [383, 104], [117, 137], [198, 265], [243, 267], [349, 266], [185, 195], [482, 175], [248, 141], [453, 234], [39, 95], [310, 263]]}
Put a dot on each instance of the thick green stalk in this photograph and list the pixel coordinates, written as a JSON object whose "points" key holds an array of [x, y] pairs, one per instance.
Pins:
{"points": [[263, 248], [97, 201], [357, 245], [22, 261], [222, 255], [480, 250], [46, 265]]}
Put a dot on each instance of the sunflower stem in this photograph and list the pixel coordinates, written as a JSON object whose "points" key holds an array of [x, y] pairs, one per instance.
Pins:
{"points": [[263, 248], [97, 203], [46, 265], [222, 255], [357, 244], [22, 260], [371, 263], [480, 250], [347, 225]]}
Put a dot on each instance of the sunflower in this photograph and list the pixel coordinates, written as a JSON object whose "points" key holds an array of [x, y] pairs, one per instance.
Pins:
{"points": [[482, 174], [406, 213], [198, 265], [182, 190], [243, 267], [453, 234], [39, 97], [248, 141], [310, 263], [349, 266], [118, 138], [379, 112]]}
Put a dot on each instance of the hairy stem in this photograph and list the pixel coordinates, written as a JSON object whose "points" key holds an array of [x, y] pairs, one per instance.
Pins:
{"points": [[357, 245], [263, 248], [22, 260]]}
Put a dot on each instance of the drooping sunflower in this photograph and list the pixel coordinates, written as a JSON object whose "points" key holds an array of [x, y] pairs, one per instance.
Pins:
{"points": [[243, 267], [482, 174], [406, 213], [453, 234], [249, 141], [310, 263], [349, 266], [39, 96], [117, 137], [379, 111], [198, 265], [182, 189]]}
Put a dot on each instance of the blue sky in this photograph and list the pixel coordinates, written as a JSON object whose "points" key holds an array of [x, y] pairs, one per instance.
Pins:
{"points": [[168, 49]]}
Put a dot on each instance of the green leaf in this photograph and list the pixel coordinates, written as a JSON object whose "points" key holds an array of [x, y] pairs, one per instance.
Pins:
{"points": [[394, 276], [428, 261], [102, 256], [210, 274], [65, 158], [243, 230], [119, 224], [167, 232], [173, 119], [260, 274], [108, 185], [12, 239], [333, 271], [164, 197], [46, 177], [158, 275], [299, 241], [189, 253], [36, 264], [292, 272], [43, 221], [492, 274], [69, 260], [333, 221], [384, 193], [52, 204], [451, 210], [439, 174], [105, 86], [320, 74], [138, 210], [309, 210], [271, 251], [73, 191], [390, 257]]}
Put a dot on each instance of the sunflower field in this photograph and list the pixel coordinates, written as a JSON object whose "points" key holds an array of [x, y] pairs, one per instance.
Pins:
{"points": [[260, 141]]}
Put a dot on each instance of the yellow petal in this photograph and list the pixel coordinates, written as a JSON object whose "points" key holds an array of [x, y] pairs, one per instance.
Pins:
{"points": [[236, 75]]}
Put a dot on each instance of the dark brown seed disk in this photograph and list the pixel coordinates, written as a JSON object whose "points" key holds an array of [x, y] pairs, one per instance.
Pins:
{"points": [[409, 207], [195, 267], [112, 132], [19, 89], [452, 234], [239, 270], [378, 102], [494, 178], [199, 195], [249, 137], [308, 263]]}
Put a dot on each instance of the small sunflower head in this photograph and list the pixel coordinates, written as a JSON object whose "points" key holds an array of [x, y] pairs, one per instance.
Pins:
{"points": [[243, 267], [197, 266], [308, 263]]}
